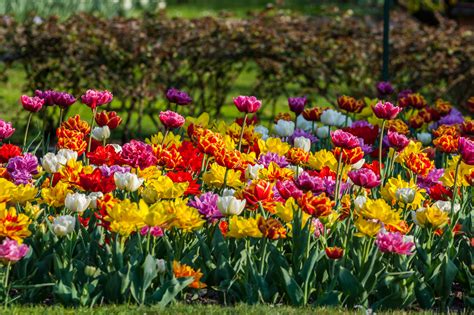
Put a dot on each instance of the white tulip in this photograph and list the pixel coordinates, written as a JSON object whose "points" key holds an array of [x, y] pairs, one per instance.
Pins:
{"points": [[101, 133], [64, 155], [358, 165], [229, 205], [297, 170], [252, 171], [302, 143], [405, 195], [50, 163], [446, 206], [76, 202], [93, 196], [127, 181], [359, 202], [322, 132], [284, 128], [304, 124], [160, 265], [228, 192], [332, 117], [424, 137], [64, 225], [263, 131]]}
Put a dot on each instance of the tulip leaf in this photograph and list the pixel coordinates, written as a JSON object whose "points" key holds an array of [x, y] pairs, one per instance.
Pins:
{"points": [[293, 290]]}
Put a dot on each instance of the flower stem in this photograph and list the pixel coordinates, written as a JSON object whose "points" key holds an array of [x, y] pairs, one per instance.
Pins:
{"points": [[164, 136], [338, 178], [380, 150], [26, 131], [94, 112], [242, 131], [455, 187]]}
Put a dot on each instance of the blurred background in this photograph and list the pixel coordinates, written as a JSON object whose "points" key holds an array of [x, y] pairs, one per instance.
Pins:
{"points": [[219, 49]]}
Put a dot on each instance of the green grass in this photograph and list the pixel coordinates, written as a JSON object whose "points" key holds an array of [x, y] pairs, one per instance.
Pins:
{"points": [[190, 309]]}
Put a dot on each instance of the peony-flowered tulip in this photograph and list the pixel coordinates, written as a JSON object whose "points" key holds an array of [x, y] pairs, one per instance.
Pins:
{"points": [[302, 143], [394, 243], [284, 128], [344, 139], [171, 120], [178, 97], [397, 140], [32, 104], [64, 225], [331, 117], [466, 149], [6, 130], [364, 177], [11, 251], [386, 110], [334, 252], [247, 104], [384, 89], [94, 99]]}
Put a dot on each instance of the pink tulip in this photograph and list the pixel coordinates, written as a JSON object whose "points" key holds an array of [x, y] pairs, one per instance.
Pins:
{"points": [[32, 104], [364, 177], [345, 140], [394, 243], [386, 110], [397, 140], [466, 149], [171, 119], [247, 104], [94, 98], [6, 130], [11, 251]]}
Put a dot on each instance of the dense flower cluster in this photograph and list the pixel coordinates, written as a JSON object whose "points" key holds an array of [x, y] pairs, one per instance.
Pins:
{"points": [[357, 182]]}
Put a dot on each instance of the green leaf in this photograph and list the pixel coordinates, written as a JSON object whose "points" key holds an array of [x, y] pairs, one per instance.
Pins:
{"points": [[169, 290], [150, 271], [424, 295], [293, 290], [350, 285]]}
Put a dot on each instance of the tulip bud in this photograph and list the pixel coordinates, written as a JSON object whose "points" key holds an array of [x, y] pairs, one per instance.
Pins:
{"points": [[302, 143], [64, 225], [101, 133], [161, 265], [127, 181]]}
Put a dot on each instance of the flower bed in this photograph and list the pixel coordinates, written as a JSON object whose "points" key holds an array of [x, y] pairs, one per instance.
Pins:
{"points": [[348, 207]]}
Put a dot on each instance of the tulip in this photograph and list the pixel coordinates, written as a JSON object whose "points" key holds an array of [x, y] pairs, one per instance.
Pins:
{"points": [[47, 96], [297, 105], [32, 104], [6, 130], [50, 163], [466, 149], [424, 137], [229, 205], [386, 110], [302, 143], [350, 104], [127, 181], [397, 140], [65, 155], [394, 243], [178, 97], [334, 252], [331, 117], [313, 114], [63, 99], [284, 128], [160, 265], [76, 202], [252, 171], [364, 177], [384, 89], [101, 133], [11, 251], [93, 197], [93, 98], [323, 132], [263, 131], [405, 195], [247, 104], [64, 225], [109, 119], [344, 139], [171, 120]]}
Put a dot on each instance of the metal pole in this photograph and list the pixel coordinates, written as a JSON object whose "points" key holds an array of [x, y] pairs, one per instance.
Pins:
{"points": [[386, 31]]}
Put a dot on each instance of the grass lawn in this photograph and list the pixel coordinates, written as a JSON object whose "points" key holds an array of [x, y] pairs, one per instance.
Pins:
{"points": [[190, 309]]}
